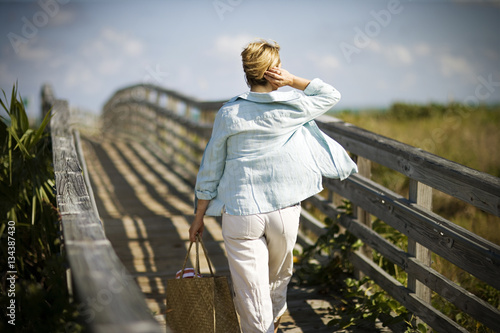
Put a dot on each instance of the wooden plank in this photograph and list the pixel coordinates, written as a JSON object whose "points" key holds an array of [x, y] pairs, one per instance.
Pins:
{"points": [[205, 105], [312, 224], [474, 187], [203, 130], [405, 296], [82, 226], [83, 164], [109, 296], [110, 300], [433, 231], [463, 299], [421, 195], [198, 149], [365, 170], [465, 249]]}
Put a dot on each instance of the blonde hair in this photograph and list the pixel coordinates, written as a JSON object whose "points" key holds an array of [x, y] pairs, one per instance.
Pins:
{"points": [[258, 57]]}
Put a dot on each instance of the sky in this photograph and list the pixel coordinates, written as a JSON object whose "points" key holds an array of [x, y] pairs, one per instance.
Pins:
{"points": [[374, 52]]}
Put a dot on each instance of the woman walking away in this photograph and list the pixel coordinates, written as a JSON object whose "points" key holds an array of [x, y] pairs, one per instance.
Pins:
{"points": [[266, 155]]}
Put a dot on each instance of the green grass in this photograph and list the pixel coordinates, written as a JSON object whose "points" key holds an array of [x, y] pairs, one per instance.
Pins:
{"points": [[469, 136], [27, 197]]}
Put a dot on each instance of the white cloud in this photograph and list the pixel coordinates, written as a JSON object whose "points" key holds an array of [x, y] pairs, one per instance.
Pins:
{"points": [[110, 66], [131, 47], [26, 51], [325, 62], [422, 49], [62, 17], [400, 54], [395, 54], [98, 59], [7, 77], [454, 65], [230, 47], [104, 56], [408, 81], [375, 46], [81, 75], [113, 44]]}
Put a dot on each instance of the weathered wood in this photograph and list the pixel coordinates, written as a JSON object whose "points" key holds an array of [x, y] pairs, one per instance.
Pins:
{"points": [[421, 195], [465, 249], [109, 298], [474, 187], [311, 224], [83, 164], [183, 140], [201, 105], [47, 97], [365, 170], [455, 294], [403, 295]]}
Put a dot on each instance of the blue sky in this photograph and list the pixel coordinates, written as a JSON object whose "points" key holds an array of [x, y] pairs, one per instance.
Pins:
{"points": [[374, 52]]}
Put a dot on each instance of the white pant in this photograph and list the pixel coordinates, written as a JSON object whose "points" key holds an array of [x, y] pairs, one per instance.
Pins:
{"points": [[260, 254]]}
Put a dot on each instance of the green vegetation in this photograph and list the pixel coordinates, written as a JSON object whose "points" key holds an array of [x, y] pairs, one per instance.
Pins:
{"points": [[27, 197], [466, 135], [469, 136], [362, 303], [358, 303]]}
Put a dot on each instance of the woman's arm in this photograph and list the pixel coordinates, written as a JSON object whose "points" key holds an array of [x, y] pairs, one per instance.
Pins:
{"points": [[320, 97], [209, 174], [279, 77], [198, 224]]}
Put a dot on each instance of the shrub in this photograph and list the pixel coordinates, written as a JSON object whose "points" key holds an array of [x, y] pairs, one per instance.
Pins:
{"points": [[27, 197]]}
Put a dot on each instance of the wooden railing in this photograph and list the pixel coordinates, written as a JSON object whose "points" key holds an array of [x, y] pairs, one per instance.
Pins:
{"points": [[109, 299], [165, 120]]}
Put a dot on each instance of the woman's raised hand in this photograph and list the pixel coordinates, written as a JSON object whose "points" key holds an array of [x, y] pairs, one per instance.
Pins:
{"points": [[279, 77]]}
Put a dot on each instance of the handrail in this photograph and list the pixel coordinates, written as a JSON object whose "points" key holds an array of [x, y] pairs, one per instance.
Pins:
{"points": [[181, 139], [109, 299], [474, 187]]}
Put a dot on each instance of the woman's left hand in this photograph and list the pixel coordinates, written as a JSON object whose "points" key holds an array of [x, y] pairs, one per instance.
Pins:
{"points": [[198, 224], [279, 77], [197, 228]]}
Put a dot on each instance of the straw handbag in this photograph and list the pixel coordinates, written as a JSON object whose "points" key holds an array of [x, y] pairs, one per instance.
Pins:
{"points": [[200, 304]]}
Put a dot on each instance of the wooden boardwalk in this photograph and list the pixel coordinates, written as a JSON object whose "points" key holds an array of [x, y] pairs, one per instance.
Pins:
{"points": [[146, 208], [145, 200]]}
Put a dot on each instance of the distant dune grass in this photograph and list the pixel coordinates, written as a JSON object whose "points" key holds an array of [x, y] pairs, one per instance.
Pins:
{"points": [[469, 136]]}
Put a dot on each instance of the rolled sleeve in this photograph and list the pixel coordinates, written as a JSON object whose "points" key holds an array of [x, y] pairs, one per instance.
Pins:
{"points": [[320, 98], [212, 163]]}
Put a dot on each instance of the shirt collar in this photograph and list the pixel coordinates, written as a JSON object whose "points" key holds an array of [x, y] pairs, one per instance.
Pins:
{"points": [[273, 96]]}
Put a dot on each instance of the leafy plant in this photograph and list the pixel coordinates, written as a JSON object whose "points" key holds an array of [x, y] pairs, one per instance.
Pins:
{"points": [[27, 197], [363, 304], [332, 248], [359, 303]]}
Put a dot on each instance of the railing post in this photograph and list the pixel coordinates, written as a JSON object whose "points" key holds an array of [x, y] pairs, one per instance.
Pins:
{"points": [[365, 170], [158, 96], [420, 194], [172, 104]]}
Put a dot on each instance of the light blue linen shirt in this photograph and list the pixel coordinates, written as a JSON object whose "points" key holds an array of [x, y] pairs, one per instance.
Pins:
{"points": [[267, 153]]}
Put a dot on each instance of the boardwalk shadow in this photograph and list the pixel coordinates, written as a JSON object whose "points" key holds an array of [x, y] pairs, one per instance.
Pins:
{"points": [[145, 214]]}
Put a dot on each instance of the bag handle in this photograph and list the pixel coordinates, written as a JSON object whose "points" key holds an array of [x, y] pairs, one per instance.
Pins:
{"points": [[197, 264]]}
